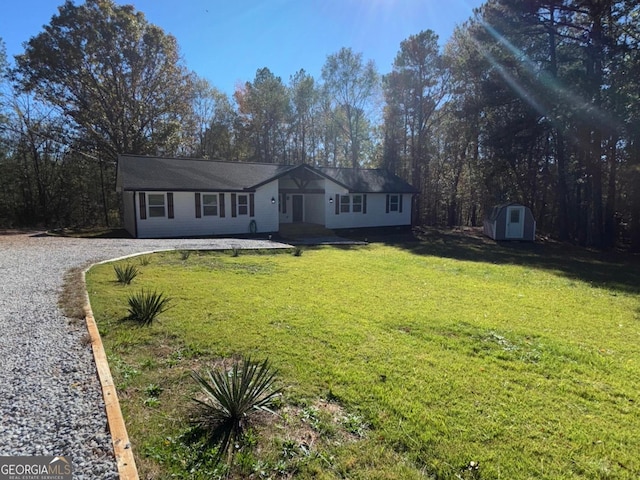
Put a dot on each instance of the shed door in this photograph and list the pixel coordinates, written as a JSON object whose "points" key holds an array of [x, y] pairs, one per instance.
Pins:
{"points": [[515, 222], [297, 206]]}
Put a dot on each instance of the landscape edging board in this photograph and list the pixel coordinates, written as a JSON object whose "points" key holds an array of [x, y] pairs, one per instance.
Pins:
{"points": [[122, 450]]}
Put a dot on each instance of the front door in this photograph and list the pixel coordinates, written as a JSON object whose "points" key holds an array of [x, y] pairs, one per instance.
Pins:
{"points": [[297, 205], [515, 222]]}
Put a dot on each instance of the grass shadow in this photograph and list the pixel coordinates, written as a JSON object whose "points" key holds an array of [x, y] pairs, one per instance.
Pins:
{"points": [[614, 270]]}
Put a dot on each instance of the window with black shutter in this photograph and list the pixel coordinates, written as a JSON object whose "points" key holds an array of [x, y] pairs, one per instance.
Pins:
{"points": [[356, 203], [198, 206], [209, 205], [170, 205], [222, 211], [156, 205], [243, 204], [143, 205]]}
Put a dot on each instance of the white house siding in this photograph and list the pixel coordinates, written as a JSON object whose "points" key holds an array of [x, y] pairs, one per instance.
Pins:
{"points": [[285, 215], [185, 223], [314, 208], [266, 212], [129, 213], [376, 215]]}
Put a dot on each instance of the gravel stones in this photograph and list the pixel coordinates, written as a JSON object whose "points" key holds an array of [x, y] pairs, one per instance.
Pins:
{"points": [[50, 397]]}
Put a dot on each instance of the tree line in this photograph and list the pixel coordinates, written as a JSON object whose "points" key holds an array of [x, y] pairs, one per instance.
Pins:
{"points": [[533, 101]]}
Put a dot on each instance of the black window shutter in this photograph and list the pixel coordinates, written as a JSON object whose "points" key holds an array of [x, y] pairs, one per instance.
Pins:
{"points": [[364, 204], [284, 203], [337, 204], [252, 206], [387, 203], [233, 205], [198, 206], [222, 213], [400, 200], [170, 204], [143, 205]]}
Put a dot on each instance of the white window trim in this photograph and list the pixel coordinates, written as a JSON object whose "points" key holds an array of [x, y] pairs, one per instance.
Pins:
{"points": [[241, 205], [346, 204], [151, 207], [214, 204], [355, 204], [397, 203]]}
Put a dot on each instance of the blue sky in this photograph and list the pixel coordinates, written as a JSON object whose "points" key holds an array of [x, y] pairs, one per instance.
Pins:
{"points": [[227, 41]]}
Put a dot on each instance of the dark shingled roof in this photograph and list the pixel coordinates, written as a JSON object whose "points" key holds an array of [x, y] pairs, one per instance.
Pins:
{"points": [[155, 173], [182, 174], [367, 180]]}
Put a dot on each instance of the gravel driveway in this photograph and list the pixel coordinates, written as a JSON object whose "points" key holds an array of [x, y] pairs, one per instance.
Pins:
{"points": [[50, 398]]}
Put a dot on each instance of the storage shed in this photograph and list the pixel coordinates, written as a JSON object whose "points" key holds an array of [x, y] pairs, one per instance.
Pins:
{"points": [[511, 221]]}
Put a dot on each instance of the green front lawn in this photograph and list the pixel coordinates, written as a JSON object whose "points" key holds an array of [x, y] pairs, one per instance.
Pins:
{"points": [[398, 361]]}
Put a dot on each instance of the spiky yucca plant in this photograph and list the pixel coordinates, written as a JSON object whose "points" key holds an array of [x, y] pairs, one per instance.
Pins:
{"points": [[144, 307], [231, 398], [125, 274]]}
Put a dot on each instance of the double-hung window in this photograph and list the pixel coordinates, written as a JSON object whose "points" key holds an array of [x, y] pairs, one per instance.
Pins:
{"points": [[209, 205], [156, 204], [243, 204], [153, 205], [345, 204], [356, 203], [394, 203]]}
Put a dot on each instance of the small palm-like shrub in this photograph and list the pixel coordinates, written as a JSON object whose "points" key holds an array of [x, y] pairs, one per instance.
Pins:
{"points": [[125, 274], [144, 307], [231, 398]]}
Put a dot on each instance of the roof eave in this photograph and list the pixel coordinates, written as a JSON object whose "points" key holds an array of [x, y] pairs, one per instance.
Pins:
{"points": [[171, 189]]}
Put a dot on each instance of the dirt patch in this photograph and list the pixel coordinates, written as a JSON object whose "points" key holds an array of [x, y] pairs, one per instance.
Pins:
{"points": [[72, 299]]}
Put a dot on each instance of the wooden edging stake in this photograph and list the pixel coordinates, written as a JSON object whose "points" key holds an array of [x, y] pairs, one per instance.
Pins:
{"points": [[121, 446]]}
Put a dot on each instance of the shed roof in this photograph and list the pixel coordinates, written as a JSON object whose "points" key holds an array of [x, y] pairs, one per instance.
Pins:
{"points": [[185, 174], [494, 213]]}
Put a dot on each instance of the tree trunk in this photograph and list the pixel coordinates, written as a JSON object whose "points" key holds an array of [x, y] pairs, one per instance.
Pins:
{"points": [[610, 226]]}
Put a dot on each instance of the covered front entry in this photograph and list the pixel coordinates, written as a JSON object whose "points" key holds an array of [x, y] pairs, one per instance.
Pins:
{"points": [[302, 197]]}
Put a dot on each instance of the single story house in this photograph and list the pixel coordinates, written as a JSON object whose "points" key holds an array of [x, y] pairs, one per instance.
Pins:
{"points": [[178, 197], [511, 221]]}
